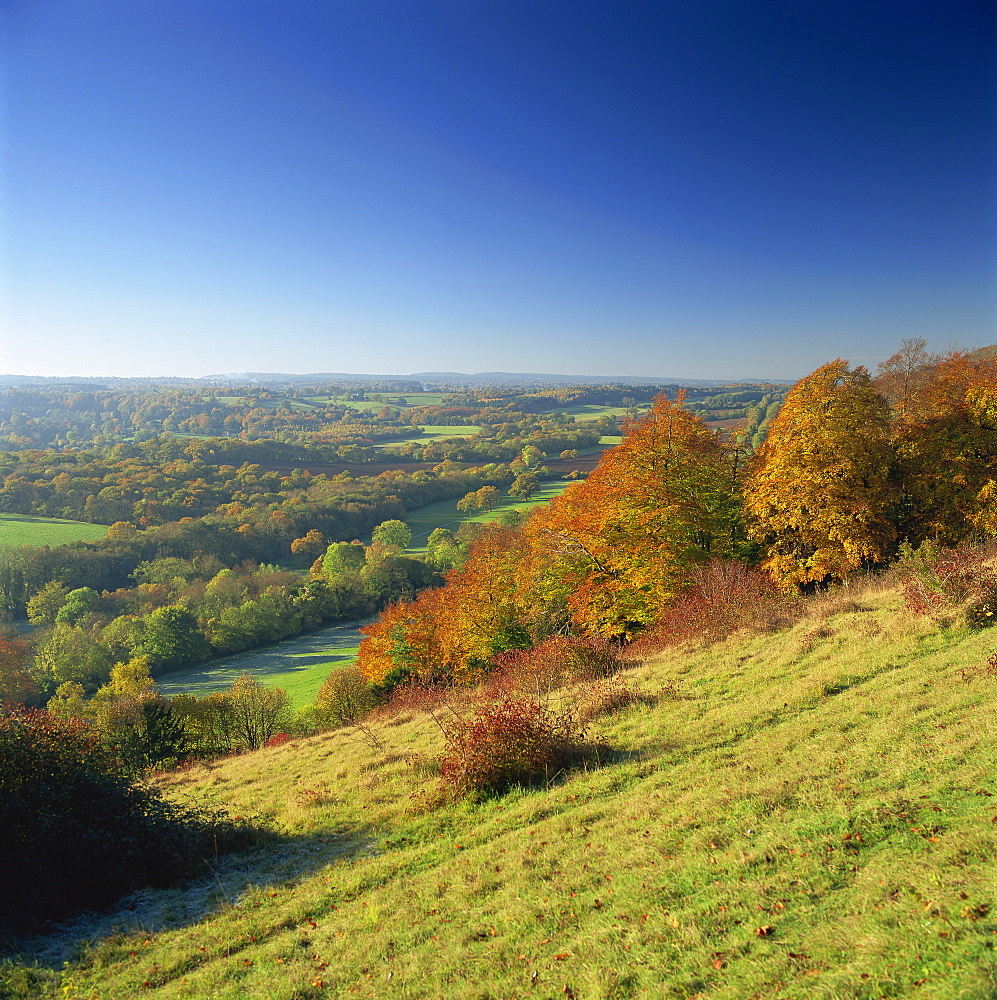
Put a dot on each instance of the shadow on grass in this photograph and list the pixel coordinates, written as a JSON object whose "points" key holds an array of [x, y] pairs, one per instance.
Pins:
{"points": [[336, 645], [227, 882]]}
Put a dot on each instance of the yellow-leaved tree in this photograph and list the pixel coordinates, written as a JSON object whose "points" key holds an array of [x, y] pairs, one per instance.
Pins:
{"points": [[818, 491]]}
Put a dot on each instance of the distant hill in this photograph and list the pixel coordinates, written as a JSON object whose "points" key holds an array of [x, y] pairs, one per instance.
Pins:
{"points": [[392, 383]]}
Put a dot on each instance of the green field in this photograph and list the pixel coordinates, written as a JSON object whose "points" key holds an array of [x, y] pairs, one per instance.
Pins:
{"points": [[22, 529], [589, 411], [298, 665], [444, 513], [434, 432]]}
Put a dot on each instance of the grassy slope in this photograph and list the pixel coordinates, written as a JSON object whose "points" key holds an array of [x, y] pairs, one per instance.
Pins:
{"points": [[805, 815], [22, 529]]}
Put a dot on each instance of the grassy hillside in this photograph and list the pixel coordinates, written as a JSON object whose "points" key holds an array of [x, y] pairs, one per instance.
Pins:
{"points": [[804, 814]]}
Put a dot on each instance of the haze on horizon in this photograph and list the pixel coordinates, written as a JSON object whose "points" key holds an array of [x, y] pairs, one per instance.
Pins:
{"points": [[731, 189]]}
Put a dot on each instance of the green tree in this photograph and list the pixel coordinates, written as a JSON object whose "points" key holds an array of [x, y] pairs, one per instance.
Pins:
{"points": [[343, 560], [46, 604], [524, 486], [258, 712], [393, 532], [172, 639], [443, 550], [78, 604], [532, 456]]}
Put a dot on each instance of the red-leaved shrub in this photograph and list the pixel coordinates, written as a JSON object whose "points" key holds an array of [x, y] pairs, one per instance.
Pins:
{"points": [[724, 597], [516, 741], [554, 663], [940, 582]]}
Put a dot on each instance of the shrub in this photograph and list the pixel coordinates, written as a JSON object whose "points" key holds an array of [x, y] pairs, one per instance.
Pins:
{"points": [[75, 832], [344, 697], [949, 582], [516, 741], [555, 663], [724, 597]]}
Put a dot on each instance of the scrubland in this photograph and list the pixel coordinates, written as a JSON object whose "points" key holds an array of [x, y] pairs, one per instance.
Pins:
{"points": [[806, 811]]}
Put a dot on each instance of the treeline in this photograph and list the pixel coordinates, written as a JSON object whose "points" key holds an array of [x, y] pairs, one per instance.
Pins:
{"points": [[260, 517], [40, 418], [852, 471]]}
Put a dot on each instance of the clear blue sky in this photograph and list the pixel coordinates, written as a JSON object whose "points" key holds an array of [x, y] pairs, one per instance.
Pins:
{"points": [[703, 188]]}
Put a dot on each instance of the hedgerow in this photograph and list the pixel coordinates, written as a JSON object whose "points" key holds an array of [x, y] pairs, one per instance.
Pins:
{"points": [[76, 832]]}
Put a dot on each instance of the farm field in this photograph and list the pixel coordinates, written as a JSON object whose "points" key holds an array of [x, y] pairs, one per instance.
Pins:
{"points": [[590, 411], [22, 529], [298, 665], [444, 513]]}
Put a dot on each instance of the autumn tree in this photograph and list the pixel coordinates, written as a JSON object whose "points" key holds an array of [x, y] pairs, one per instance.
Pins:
{"points": [[616, 547], [480, 500], [17, 685], [818, 491], [524, 486], [310, 544], [945, 437]]}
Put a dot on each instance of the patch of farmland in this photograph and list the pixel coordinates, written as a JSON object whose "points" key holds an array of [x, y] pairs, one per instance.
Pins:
{"points": [[22, 529]]}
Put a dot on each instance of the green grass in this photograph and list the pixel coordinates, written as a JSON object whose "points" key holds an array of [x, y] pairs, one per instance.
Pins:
{"points": [[435, 432], [22, 529], [589, 411], [444, 513], [299, 665], [805, 815]]}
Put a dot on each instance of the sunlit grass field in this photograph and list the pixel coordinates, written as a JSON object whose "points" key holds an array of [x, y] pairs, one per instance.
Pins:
{"points": [[22, 529], [444, 513], [299, 665], [807, 814], [437, 432]]}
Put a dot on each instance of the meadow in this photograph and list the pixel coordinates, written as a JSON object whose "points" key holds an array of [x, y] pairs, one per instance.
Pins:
{"points": [[22, 529], [444, 514], [299, 665], [804, 813]]}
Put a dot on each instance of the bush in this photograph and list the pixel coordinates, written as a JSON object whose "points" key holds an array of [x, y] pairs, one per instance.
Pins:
{"points": [[512, 742], [555, 663], [344, 697], [943, 583], [76, 833], [724, 597]]}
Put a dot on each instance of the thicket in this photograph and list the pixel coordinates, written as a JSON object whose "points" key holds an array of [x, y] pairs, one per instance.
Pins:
{"points": [[516, 741], [77, 832]]}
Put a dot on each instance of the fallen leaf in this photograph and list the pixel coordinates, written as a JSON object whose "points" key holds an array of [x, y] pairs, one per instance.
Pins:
{"points": [[764, 931]]}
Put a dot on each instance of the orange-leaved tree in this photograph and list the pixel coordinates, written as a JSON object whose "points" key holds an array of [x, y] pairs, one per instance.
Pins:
{"points": [[617, 546], [818, 491], [451, 633]]}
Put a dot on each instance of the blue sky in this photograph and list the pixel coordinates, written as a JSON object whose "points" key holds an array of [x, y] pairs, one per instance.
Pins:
{"points": [[695, 189]]}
